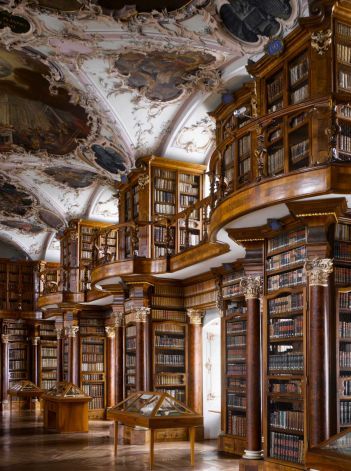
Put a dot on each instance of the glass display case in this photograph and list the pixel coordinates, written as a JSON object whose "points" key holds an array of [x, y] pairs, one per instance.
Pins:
{"points": [[333, 454], [66, 390], [155, 410], [24, 389]]}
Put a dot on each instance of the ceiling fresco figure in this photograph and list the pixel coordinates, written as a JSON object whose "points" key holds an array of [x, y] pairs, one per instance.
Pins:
{"points": [[249, 19], [14, 201]]}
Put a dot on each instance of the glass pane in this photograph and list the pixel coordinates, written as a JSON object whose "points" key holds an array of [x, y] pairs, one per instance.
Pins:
{"points": [[341, 445], [144, 405], [171, 408]]}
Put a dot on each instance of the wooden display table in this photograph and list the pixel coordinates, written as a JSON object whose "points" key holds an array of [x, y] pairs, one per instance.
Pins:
{"points": [[66, 409], [332, 455], [155, 410], [24, 389]]}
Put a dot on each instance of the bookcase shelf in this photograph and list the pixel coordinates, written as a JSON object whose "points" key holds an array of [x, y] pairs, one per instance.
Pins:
{"points": [[48, 355], [18, 350]]}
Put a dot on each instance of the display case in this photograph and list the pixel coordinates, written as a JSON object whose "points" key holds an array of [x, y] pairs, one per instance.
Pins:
{"points": [[24, 389], [333, 454]]}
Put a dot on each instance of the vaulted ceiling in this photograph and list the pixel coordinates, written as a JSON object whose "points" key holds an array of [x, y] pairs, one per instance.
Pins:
{"points": [[86, 87]]}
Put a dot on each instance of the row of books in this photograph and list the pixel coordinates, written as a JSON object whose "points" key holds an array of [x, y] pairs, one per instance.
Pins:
{"points": [[275, 160], [232, 277], [236, 401], [130, 379], [92, 358], [168, 290], [245, 166], [286, 239], [163, 173], [188, 178], [345, 329], [17, 364], [244, 146], [343, 232], [275, 88], [237, 340], [342, 275], [189, 189], [131, 331], [199, 287], [231, 290], [96, 403], [236, 368], [345, 356], [92, 376], [49, 362], [236, 385], [299, 95], [345, 111], [343, 30], [47, 332], [95, 390], [17, 354], [17, 375], [290, 362], [286, 447], [298, 119], [199, 299], [170, 360], [130, 361], [93, 367], [289, 386], [299, 71], [193, 238], [343, 53], [98, 330], [276, 106], [47, 384], [345, 412], [345, 138], [281, 328], [277, 134], [236, 424], [178, 394], [290, 303], [130, 343], [289, 279], [236, 308], [48, 374], [160, 234], [87, 254], [342, 250], [164, 208], [173, 328], [93, 347], [168, 185], [347, 387], [166, 341], [298, 151], [160, 314], [287, 419], [285, 259], [236, 327], [167, 301], [344, 80], [160, 251], [238, 351], [169, 379], [49, 352], [161, 196]]}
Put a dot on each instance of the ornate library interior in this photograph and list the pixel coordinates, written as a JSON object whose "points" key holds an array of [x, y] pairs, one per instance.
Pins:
{"points": [[175, 235]]}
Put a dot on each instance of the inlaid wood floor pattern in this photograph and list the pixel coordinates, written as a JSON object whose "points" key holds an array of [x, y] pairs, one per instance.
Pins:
{"points": [[24, 446]]}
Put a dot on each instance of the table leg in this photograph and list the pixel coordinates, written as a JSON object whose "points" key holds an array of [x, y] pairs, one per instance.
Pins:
{"points": [[116, 436], [192, 445], [152, 442]]}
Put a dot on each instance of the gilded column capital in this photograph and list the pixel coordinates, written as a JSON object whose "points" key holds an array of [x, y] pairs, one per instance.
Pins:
{"points": [[5, 338], [60, 333], [35, 341], [118, 319], [251, 287], [72, 331], [318, 271], [110, 331], [141, 314], [195, 316]]}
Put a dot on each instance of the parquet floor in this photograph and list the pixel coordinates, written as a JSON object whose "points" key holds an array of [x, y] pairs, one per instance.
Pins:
{"points": [[24, 446]]}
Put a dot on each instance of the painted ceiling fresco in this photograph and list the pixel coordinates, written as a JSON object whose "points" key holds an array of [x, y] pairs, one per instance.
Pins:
{"points": [[72, 177], [22, 226], [30, 116], [14, 201], [249, 19], [108, 159], [161, 75]]}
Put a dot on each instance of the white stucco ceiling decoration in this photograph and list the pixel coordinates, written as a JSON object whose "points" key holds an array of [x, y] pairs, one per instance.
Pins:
{"points": [[131, 110]]}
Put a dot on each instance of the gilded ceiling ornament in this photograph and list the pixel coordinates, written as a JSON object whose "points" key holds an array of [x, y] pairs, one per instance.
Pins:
{"points": [[318, 271], [321, 40], [195, 316], [251, 287], [141, 314]]}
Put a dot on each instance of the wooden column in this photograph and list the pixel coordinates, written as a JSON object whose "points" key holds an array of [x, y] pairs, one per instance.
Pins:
{"points": [[251, 287], [73, 354], [318, 363], [4, 369], [110, 366], [119, 370], [59, 371], [195, 360], [143, 356], [35, 359]]}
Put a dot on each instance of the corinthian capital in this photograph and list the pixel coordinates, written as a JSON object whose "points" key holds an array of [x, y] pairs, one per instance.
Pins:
{"points": [[110, 331], [195, 316], [251, 286], [72, 330], [60, 333], [118, 319], [5, 338], [141, 314], [318, 271]]}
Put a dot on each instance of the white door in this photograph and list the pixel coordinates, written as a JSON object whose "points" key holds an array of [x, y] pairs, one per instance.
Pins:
{"points": [[212, 375]]}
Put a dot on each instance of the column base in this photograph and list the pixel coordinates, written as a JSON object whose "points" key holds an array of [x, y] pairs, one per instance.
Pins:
{"points": [[252, 455]]}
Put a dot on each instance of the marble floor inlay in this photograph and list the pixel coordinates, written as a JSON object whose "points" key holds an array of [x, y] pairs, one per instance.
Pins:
{"points": [[25, 446]]}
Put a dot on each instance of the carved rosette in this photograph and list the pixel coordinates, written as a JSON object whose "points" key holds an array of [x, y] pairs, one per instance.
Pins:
{"points": [[251, 287], [321, 40], [60, 333], [143, 181], [195, 316], [118, 319], [318, 271], [141, 314], [110, 331], [5, 338], [35, 341], [72, 331]]}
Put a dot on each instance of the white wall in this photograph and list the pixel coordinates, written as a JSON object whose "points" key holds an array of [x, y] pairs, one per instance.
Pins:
{"points": [[212, 374]]}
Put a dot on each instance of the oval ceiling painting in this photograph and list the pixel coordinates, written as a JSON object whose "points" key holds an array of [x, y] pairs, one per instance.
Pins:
{"points": [[108, 159], [249, 19], [142, 6], [30, 117]]}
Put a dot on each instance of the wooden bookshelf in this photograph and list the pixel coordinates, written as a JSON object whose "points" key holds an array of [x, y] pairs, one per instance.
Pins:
{"points": [[19, 286], [200, 293], [284, 347], [18, 350], [47, 355], [343, 358], [130, 359], [342, 51]]}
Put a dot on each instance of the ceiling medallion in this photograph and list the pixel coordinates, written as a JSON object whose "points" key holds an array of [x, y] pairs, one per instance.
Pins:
{"points": [[17, 24]]}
